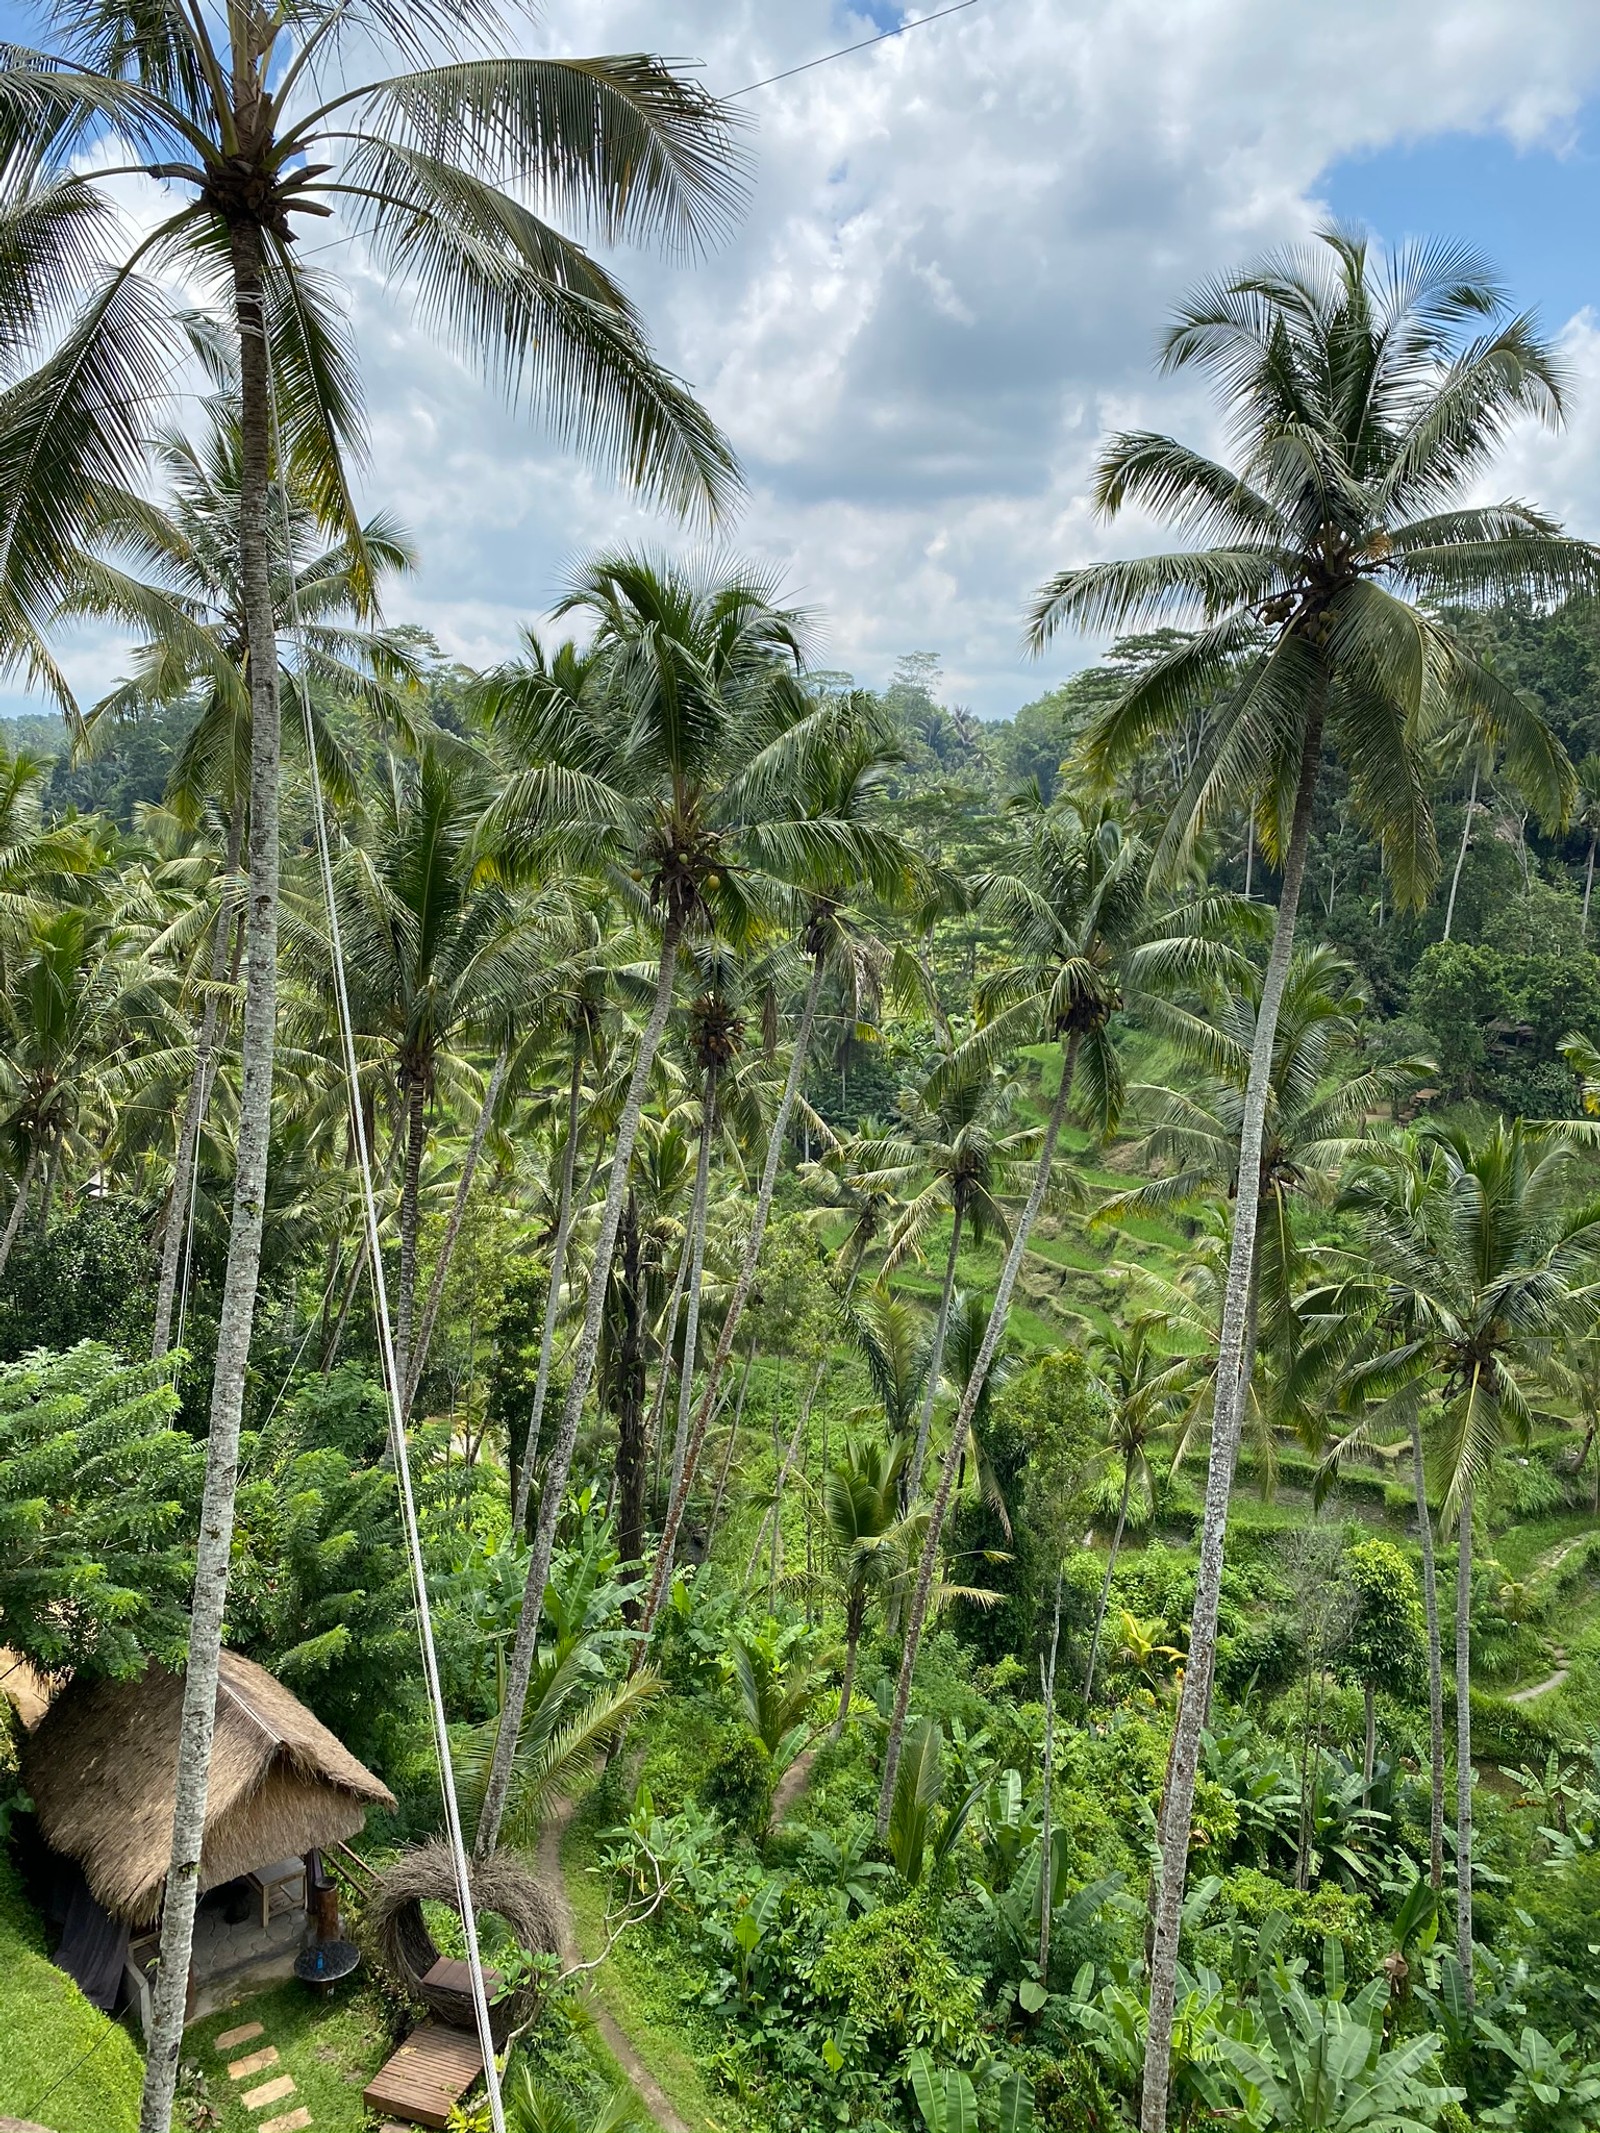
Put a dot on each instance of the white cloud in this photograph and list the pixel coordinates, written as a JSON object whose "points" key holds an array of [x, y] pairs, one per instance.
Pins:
{"points": [[958, 251]]}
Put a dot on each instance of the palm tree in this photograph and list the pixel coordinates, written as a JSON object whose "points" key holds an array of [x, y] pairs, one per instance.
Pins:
{"points": [[951, 1136], [862, 1522], [1476, 1267], [1146, 1387], [1318, 1099], [436, 957], [832, 852], [171, 571], [80, 997], [1086, 940], [688, 729], [1364, 401], [243, 132]]}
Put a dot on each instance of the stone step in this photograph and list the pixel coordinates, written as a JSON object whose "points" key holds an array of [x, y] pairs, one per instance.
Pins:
{"points": [[269, 2092], [241, 2035], [290, 2122], [255, 2063]]}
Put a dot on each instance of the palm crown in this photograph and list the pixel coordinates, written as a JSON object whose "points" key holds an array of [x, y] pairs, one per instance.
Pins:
{"points": [[1364, 403]]}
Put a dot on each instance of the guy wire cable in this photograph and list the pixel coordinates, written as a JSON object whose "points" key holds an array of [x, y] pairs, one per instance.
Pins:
{"points": [[397, 1430]]}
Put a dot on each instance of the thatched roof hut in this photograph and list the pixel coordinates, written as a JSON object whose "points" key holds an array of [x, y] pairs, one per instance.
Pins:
{"points": [[101, 1767]]}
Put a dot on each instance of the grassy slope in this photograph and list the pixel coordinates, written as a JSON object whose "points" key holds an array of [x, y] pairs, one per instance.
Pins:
{"points": [[332, 2049], [60, 2058], [643, 1993]]}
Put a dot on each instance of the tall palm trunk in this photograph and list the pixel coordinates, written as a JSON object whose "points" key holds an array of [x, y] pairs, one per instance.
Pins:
{"points": [[19, 1206], [1461, 858], [257, 1043], [941, 1329], [1588, 876], [666, 1554], [415, 1085], [1227, 1415], [1105, 1583], [728, 1448], [520, 1670], [855, 1620], [669, 1348], [631, 1445], [697, 1268], [194, 1111], [447, 1249], [1430, 1600], [1046, 1874], [1464, 1742], [922, 1596], [552, 1301]]}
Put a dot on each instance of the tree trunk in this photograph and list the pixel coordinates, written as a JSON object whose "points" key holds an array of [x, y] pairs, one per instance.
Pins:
{"points": [[416, 1090], [436, 1282], [790, 1454], [520, 1670], [631, 1447], [176, 1233], [655, 1434], [923, 1594], [1588, 877], [1461, 856], [697, 1268], [249, 1201], [552, 1301], [1105, 1585], [941, 1327], [1046, 1875], [19, 1207], [1464, 1742], [1227, 1414], [1430, 1598], [854, 1626], [727, 1455], [667, 1553]]}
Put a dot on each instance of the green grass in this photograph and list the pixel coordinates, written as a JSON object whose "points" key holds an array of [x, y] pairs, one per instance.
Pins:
{"points": [[644, 1995], [331, 2047], [62, 2062]]}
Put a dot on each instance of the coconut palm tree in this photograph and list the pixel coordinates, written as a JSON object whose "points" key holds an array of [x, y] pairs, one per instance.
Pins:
{"points": [[862, 1524], [1086, 940], [689, 730], [1319, 1096], [1477, 1264], [170, 570], [80, 998], [436, 957], [828, 855], [233, 116], [951, 1156], [1364, 401], [1146, 1388]]}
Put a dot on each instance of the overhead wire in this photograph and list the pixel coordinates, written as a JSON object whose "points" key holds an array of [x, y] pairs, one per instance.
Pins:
{"points": [[399, 1450], [844, 51]]}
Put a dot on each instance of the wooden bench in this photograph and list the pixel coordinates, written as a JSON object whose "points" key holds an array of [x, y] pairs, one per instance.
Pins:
{"points": [[427, 2076]]}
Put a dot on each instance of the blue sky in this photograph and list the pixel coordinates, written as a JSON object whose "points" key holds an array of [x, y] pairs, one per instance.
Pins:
{"points": [[1535, 211], [947, 289]]}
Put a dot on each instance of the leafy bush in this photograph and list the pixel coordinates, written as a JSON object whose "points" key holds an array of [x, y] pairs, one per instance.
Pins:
{"points": [[739, 1781], [889, 1971]]}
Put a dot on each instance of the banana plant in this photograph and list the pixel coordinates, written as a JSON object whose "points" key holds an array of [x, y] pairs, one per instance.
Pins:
{"points": [[950, 2100]]}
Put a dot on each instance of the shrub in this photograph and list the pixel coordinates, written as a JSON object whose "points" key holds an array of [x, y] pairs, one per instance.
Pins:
{"points": [[738, 1783], [898, 1983]]}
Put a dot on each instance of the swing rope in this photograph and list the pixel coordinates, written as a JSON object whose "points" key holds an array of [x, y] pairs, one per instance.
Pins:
{"points": [[397, 1429]]}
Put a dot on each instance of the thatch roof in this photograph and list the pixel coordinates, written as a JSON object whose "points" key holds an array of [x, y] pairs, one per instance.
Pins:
{"points": [[101, 1768]]}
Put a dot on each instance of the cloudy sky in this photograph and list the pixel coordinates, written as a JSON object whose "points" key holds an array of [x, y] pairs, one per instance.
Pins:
{"points": [[958, 250]]}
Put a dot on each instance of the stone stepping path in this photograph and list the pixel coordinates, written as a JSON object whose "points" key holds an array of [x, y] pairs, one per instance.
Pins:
{"points": [[277, 2088]]}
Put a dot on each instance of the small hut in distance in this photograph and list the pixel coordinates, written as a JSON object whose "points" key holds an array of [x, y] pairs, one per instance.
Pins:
{"points": [[101, 1767]]}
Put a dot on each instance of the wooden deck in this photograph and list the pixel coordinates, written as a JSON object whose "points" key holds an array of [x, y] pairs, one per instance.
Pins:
{"points": [[431, 2071]]}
